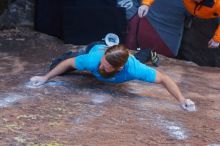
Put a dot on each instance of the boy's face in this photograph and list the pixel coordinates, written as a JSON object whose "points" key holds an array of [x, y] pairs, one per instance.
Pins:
{"points": [[106, 69]]}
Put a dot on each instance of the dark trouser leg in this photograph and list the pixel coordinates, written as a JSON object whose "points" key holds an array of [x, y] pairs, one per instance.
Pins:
{"points": [[143, 56], [71, 54], [61, 58]]}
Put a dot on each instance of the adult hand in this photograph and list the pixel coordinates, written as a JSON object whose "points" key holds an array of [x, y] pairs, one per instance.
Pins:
{"points": [[213, 44], [38, 80], [188, 105], [142, 10]]}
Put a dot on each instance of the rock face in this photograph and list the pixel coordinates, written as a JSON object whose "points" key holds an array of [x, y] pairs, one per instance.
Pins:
{"points": [[15, 13], [195, 43], [79, 110]]}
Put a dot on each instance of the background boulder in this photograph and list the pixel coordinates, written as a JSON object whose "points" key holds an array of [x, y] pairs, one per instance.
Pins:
{"points": [[20, 13], [15, 13]]}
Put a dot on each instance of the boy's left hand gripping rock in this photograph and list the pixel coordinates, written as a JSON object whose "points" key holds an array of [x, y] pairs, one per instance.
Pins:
{"points": [[189, 105]]}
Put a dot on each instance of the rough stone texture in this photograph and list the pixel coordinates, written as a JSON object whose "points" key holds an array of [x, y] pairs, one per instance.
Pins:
{"points": [[79, 110], [195, 43], [18, 13]]}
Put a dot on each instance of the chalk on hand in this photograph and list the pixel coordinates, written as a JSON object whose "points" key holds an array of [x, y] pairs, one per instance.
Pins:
{"points": [[189, 105], [31, 84], [37, 81]]}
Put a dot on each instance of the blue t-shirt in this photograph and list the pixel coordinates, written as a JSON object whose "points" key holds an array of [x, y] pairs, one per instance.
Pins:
{"points": [[132, 70]]}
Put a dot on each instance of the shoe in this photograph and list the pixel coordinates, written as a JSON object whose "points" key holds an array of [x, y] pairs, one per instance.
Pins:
{"points": [[155, 59], [143, 55]]}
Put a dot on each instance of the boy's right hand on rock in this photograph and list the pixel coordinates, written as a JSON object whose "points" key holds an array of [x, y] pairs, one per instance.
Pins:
{"points": [[38, 80]]}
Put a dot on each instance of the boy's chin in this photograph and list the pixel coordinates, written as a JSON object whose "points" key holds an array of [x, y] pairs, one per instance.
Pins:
{"points": [[105, 74]]}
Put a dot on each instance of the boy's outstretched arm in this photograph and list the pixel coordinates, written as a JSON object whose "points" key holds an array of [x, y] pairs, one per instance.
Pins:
{"points": [[59, 69], [173, 89]]}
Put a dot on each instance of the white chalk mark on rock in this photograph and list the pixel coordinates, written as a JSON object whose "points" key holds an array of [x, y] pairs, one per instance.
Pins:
{"points": [[31, 85], [51, 83], [100, 98], [10, 99], [172, 128]]}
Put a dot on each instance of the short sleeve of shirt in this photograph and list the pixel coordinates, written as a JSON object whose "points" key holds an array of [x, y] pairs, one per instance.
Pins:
{"points": [[82, 62], [90, 61], [142, 72], [146, 73]]}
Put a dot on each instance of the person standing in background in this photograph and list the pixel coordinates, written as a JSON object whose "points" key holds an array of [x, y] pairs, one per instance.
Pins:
{"points": [[165, 24]]}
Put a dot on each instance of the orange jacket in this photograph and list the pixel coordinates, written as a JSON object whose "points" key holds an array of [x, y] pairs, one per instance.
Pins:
{"points": [[205, 13], [201, 12], [147, 2]]}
